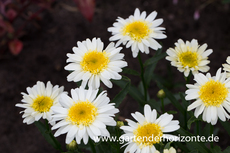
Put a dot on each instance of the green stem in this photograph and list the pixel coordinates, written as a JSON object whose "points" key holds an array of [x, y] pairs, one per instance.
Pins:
{"points": [[163, 106], [197, 127], [45, 130], [52, 136], [185, 120], [118, 134], [188, 78], [211, 132], [92, 146], [142, 76], [185, 113]]}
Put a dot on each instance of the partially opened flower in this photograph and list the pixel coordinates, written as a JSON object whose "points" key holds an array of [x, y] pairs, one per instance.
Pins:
{"points": [[189, 56], [170, 150], [211, 95], [39, 100], [84, 115], [91, 63], [148, 131], [138, 31], [227, 66]]}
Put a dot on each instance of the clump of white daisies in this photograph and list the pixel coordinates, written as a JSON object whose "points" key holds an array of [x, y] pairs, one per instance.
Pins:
{"points": [[86, 114]]}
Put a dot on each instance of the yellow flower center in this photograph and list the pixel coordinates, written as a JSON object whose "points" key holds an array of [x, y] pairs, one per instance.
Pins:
{"points": [[82, 113], [188, 58], [148, 134], [137, 30], [42, 104], [95, 62], [213, 93]]}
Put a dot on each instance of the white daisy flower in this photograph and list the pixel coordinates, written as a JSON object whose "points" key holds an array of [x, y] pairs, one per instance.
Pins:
{"points": [[90, 63], [39, 100], [170, 150], [227, 66], [84, 115], [212, 95], [148, 131], [139, 31], [189, 56]]}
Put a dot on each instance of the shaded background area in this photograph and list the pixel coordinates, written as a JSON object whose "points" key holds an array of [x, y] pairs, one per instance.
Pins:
{"points": [[44, 56]]}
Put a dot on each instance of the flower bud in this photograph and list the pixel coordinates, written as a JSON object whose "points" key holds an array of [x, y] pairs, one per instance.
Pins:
{"points": [[120, 123], [161, 94], [72, 145]]}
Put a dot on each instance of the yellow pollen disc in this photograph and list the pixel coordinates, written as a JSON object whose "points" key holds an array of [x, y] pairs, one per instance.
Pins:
{"points": [[213, 93], [95, 62], [82, 113], [42, 104], [148, 134], [137, 30], [189, 59]]}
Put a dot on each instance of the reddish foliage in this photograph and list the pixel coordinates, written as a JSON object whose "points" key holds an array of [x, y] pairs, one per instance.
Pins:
{"points": [[15, 46], [10, 11], [11, 14], [86, 7]]}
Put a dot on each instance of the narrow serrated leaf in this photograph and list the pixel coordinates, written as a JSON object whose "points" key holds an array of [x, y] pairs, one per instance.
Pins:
{"points": [[155, 58], [216, 149], [191, 120], [130, 71], [226, 126], [121, 95], [227, 150], [48, 135], [193, 146]]}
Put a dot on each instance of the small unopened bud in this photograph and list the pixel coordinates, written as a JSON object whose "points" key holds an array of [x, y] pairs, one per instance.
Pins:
{"points": [[161, 94], [120, 123], [72, 146]]}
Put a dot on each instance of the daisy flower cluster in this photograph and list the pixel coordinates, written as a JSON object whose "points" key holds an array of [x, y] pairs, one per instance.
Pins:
{"points": [[138, 31], [87, 113], [189, 56]]}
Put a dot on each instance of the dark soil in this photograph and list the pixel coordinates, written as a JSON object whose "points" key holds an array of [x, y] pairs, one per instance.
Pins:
{"points": [[44, 56]]}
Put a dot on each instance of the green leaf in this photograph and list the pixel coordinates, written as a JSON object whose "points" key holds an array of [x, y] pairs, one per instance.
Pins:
{"points": [[194, 151], [155, 104], [216, 149], [193, 146], [170, 96], [226, 126], [48, 135], [130, 71], [225, 1], [121, 95], [155, 58], [184, 102], [136, 94], [172, 112], [167, 146], [149, 73], [150, 65], [182, 146], [191, 120], [133, 91], [227, 150]]}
